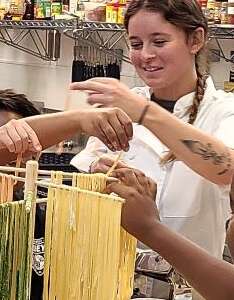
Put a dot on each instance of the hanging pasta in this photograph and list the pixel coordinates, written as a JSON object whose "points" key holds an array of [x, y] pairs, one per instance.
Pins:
{"points": [[16, 236], [15, 251], [85, 245], [6, 188], [88, 256], [90, 182]]}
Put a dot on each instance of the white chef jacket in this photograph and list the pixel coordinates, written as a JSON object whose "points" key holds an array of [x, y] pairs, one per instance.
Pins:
{"points": [[187, 202]]}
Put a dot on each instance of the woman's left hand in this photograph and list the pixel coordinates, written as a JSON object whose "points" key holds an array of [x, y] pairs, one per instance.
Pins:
{"points": [[139, 212], [18, 137], [110, 92]]}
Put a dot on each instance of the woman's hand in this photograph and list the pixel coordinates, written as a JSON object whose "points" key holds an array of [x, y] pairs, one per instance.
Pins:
{"points": [[110, 92], [139, 212], [18, 137], [111, 125]]}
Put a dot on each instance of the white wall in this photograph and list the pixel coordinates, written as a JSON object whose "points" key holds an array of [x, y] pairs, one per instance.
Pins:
{"points": [[48, 81]]}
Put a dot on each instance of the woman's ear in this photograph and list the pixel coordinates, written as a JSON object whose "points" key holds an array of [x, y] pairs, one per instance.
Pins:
{"points": [[197, 40]]}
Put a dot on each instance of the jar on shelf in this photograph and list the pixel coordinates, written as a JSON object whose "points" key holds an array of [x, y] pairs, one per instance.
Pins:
{"points": [[224, 13], [217, 12], [211, 9], [109, 12], [28, 10], [15, 10], [56, 8], [121, 13], [231, 11], [115, 10], [112, 12], [42, 9]]}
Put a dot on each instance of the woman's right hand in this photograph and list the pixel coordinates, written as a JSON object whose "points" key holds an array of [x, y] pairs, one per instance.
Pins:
{"points": [[18, 137], [139, 212], [111, 125]]}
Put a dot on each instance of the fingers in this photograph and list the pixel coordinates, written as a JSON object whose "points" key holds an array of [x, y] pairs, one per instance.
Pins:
{"points": [[17, 136], [122, 190], [136, 179], [102, 165], [120, 165], [126, 123], [105, 80], [103, 135], [114, 130], [142, 178], [111, 135], [148, 186], [35, 145], [123, 127], [91, 85], [126, 176], [120, 132], [95, 98], [6, 141]]}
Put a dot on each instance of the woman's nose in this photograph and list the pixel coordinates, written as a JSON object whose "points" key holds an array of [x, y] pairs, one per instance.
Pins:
{"points": [[147, 53]]}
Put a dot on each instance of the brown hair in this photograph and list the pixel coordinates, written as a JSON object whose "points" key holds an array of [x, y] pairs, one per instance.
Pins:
{"points": [[187, 15], [17, 103]]}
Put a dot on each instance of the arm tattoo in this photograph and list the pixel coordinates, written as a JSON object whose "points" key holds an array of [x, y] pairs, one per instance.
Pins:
{"points": [[208, 153]]}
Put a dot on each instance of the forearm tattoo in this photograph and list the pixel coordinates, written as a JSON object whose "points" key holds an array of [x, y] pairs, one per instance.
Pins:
{"points": [[207, 152]]}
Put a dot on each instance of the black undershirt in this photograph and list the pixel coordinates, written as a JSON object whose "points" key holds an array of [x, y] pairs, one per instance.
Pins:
{"points": [[166, 104]]}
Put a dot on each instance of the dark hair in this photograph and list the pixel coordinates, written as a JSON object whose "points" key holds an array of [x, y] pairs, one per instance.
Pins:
{"points": [[17, 103], [187, 15]]}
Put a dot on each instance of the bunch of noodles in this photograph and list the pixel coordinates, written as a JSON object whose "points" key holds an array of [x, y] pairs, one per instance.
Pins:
{"points": [[87, 254]]}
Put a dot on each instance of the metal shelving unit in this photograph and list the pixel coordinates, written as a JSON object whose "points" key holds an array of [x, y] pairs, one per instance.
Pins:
{"points": [[45, 36], [222, 31], [60, 24]]}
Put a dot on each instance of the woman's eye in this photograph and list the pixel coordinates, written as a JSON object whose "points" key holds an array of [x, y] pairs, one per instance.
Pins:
{"points": [[159, 43], [136, 45]]}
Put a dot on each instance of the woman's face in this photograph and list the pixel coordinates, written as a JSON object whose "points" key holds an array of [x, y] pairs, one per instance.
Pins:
{"points": [[159, 50]]}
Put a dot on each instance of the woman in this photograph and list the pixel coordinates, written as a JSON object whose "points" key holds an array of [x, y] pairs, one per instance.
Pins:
{"points": [[166, 53], [211, 277]]}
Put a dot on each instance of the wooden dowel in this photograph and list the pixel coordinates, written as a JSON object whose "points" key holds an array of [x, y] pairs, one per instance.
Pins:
{"points": [[30, 183], [23, 170], [41, 172], [67, 187], [30, 191], [114, 164]]}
